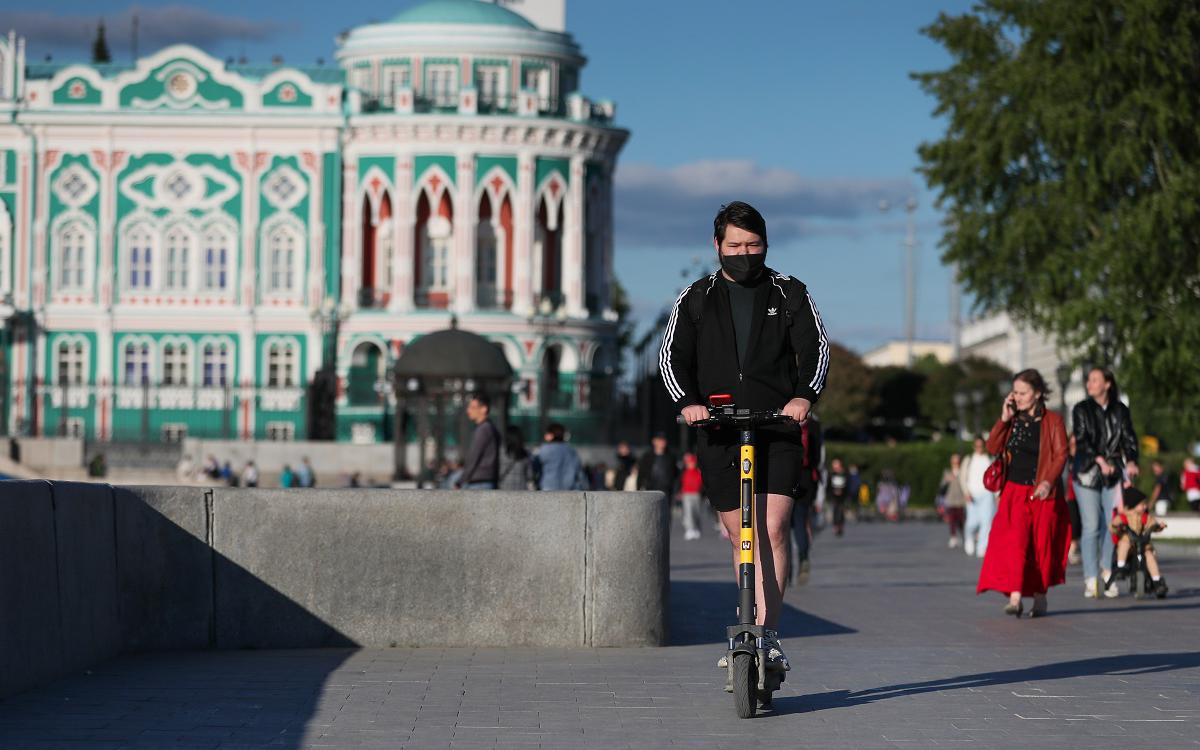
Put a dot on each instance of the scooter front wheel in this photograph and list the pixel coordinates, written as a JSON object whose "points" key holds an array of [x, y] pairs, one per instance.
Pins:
{"points": [[745, 681]]}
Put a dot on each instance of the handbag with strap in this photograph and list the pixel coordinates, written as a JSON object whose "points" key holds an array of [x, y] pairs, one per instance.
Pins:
{"points": [[996, 475]]}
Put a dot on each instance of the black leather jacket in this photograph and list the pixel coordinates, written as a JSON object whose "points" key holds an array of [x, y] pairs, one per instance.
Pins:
{"points": [[1106, 432]]}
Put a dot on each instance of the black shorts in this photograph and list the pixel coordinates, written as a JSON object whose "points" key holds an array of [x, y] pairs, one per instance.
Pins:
{"points": [[780, 471]]}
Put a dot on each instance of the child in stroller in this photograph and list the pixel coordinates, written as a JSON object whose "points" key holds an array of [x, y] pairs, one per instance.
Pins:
{"points": [[1131, 529]]}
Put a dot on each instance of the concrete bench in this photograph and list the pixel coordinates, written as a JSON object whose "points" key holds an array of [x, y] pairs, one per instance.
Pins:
{"points": [[88, 571]]}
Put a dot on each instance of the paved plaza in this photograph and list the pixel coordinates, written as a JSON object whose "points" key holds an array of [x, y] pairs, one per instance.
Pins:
{"points": [[892, 649]]}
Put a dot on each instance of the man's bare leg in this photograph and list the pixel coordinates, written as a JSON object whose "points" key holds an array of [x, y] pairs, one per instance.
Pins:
{"points": [[770, 552]]}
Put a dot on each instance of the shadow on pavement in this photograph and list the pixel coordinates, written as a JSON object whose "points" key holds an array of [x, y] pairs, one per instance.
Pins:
{"points": [[700, 611], [1132, 664]]}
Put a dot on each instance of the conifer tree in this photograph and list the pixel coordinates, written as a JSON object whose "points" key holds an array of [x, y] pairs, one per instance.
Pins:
{"points": [[100, 52]]}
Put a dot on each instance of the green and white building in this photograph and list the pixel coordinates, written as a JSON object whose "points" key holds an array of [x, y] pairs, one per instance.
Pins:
{"points": [[186, 242]]}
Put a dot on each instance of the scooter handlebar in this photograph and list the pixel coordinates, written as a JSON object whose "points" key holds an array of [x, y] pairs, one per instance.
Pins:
{"points": [[748, 419]]}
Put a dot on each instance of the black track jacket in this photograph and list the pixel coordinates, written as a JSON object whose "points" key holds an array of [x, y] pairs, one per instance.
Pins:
{"points": [[788, 355]]}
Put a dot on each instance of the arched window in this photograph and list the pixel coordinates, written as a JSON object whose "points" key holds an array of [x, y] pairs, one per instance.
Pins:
{"points": [[73, 242], [179, 255], [435, 232], [71, 361], [282, 248], [281, 364], [215, 364], [137, 362], [140, 246], [175, 363], [216, 259]]}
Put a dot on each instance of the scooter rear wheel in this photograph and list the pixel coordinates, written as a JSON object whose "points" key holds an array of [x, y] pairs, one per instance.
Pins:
{"points": [[744, 683]]}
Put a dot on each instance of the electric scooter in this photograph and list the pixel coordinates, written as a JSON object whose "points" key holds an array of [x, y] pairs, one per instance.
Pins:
{"points": [[751, 683]]}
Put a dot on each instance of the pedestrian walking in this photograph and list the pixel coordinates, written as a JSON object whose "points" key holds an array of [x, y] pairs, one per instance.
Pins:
{"points": [[1106, 452], [305, 476], [1189, 482], [839, 492], [515, 470], [955, 482], [657, 469], [690, 487], [1027, 548], [287, 478], [887, 496], [481, 470], [250, 475], [1163, 492], [556, 464], [981, 503], [626, 462]]}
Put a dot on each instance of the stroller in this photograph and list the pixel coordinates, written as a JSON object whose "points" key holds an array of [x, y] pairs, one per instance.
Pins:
{"points": [[1140, 582]]}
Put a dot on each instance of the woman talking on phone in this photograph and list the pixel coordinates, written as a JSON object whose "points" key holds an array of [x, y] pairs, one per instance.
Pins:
{"points": [[1027, 548]]}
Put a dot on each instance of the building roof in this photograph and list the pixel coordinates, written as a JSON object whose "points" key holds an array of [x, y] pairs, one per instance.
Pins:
{"points": [[462, 12], [453, 353]]}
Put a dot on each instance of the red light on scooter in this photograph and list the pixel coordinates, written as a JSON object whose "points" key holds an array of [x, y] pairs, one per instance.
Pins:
{"points": [[720, 399]]}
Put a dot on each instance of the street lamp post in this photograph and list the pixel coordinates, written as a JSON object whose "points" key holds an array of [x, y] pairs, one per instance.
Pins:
{"points": [[977, 397], [1064, 380], [910, 275], [1106, 337], [960, 406], [546, 317]]}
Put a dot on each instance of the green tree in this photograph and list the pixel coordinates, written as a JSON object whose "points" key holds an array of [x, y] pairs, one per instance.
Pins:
{"points": [[1070, 173], [100, 53], [969, 377], [848, 400]]}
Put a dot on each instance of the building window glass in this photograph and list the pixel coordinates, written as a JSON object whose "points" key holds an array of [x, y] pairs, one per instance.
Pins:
{"points": [[281, 365], [179, 253], [216, 260], [281, 249], [141, 249], [72, 256], [489, 81], [71, 361], [394, 77], [175, 363], [137, 363], [443, 85], [216, 364]]}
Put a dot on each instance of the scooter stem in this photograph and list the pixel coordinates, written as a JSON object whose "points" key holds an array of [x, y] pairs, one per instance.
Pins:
{"points": [[747, 611]]}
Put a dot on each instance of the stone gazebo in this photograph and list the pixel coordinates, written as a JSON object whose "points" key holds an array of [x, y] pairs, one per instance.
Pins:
{"points": [[441, 370]]}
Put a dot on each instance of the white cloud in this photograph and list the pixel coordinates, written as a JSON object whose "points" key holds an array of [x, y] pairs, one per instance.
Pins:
{"points": [[674, 206]]}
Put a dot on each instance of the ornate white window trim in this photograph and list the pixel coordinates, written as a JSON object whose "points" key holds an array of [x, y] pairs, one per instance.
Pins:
{"points": [[281, 362], [70, 364], [139, 251], [72, 250], [284, 187], [216, 361], [217, 258], [179, 255], [75, 185], [283, 257], [176, 355], [136, 361], [6, 228]]}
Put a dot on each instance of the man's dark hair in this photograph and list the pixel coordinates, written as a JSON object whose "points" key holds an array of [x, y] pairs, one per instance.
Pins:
{"points": [[741, 215], [483, 400], [556, 432]]}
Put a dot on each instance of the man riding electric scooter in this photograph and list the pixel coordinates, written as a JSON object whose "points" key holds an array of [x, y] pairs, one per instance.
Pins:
{"points": [[756, 335]]}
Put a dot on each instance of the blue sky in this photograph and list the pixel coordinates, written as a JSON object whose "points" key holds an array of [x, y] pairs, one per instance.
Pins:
{"points": [[802, 108]]}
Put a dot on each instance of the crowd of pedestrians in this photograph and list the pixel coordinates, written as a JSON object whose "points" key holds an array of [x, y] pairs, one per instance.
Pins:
{"points": [[1031, 500]]}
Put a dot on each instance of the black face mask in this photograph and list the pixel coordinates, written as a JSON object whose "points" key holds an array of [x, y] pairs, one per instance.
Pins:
{"points": [[743, 268]]}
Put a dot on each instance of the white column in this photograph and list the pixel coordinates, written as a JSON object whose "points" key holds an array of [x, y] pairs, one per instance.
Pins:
{"points": [[606, 236], [403, 212], [351, 219], [315, 281], [249, 280], [465, 218], [572, 232], [523, 219]]}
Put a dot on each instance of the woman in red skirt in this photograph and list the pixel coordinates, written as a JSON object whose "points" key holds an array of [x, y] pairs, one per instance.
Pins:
{"points": [[1027, 548]]}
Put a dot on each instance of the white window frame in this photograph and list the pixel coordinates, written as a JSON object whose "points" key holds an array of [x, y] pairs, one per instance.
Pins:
{"points": [[219, 266], [441, 84], [281, 362], [394, 75], [286, 281], [216, 367], [497, 93], [176, 357], [174, 432], [6, 227], [74, 363], [73, 241], [139, 238], [148, 367], [284, 432], [179, 242]]}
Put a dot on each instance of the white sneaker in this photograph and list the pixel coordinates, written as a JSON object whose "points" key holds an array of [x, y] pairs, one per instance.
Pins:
{"points": [[723, 662], [1089, 588], [1110, 592], [953, 543], [980, 552], [969, 547]]}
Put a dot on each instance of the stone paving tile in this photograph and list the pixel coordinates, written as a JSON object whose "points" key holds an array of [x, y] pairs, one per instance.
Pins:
{"points": [[891, 646]]}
